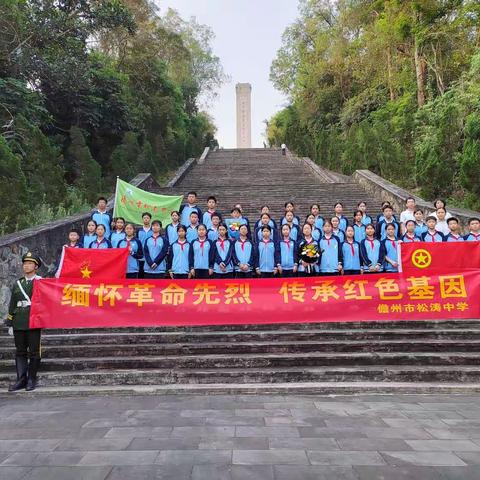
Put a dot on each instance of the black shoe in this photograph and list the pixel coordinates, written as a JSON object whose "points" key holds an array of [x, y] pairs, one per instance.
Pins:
{"points": [[32, 374], [21, 364]]}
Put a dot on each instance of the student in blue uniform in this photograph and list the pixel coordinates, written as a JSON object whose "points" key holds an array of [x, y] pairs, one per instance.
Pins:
{"points": [[432, 234], [371, 251], [474, 230], [265, 210], [119, 232], [366, 219], [189, 207], [178, 259], [267, 253], [316, 233], [454, 228], [142, 234], [338, 211], [192, 228], [212, 233], [223, 254], [307, 269], [288, 265], [102, 241], [235, 222], [331, 261], [335, 221], [318, 219], [135, 250], [74, 239], [155, 250], [243, 217], [380, 216], [265, 219], [387, 219], [201, 254], [244, 254], [289, 207], [101, 216], [352, 263], [420, 225], [171, 230], [358, 225], [90, 235], [294, 228], [390, 247], [211, 209], [410, 235]]}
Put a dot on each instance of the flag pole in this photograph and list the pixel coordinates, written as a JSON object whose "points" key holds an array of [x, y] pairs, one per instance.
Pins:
{"points": [[115, 198]]}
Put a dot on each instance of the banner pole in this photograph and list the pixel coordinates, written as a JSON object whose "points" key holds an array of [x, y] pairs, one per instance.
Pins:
{"points": [[115, 198]]}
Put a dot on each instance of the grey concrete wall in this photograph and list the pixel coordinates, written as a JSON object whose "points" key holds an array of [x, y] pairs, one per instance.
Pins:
{"points": [[46, 240], [388, 191]]}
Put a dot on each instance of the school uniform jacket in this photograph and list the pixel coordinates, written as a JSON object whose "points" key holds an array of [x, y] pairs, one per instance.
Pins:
{"points": [[436, 237], [105, 243], [223, 253], [104, 218], [245, 253], [288, 253], [134, 255], [351, 255], [186, 210], [179, 258], [268, 255], [372, 252], [390, 249], [408, 239], [331, 254], [380, 230], [471, 237], [202, 254], [155, 251]]}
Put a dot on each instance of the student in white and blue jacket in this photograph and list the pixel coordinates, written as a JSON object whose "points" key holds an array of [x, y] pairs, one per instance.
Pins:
{"points": [[290, 207], [265, 220], [135, 250], [142, 234], [223, 254], [102, 241], [317, 218], [390, 247], [189, 207], [432, 234], [179, 259], [331, 260], [90, 235], [155, 250], [212, 233], [388, 218], [371, 251], [192, 228], [316, 233], [366, 219], [206, 218], [288, 265], [268, 254], [420, 225], [336, 230], [118, 233], [244, 254], [454, 227], [474, 230], [307, 269], [202, 255], [271, 222], [359, 226], [294, 228], [338, 210], [101, 216], [171, 230], [410, 236], [352, 263]]}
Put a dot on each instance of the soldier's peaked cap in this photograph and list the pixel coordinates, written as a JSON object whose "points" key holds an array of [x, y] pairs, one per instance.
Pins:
{"points": [[31, 257]]}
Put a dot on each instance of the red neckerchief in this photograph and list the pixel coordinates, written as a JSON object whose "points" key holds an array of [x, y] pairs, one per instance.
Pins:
{"points": [[352, 248], [242, 243], [393, 243], [202, 245], [309, 241], [155, 238], [433, 236], [182, 244], [372, 243], [128, 243], [328, 240], [99, 243], [287, 242], [222, 243], [475, 235], [409, 237], [266, 242], [457, 238]]}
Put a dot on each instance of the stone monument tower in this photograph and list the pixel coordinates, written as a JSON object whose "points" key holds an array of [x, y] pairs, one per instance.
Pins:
{"points": [[244, 122]]}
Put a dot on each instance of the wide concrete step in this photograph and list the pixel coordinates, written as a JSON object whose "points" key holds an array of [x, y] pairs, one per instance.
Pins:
{"points": [[372, 373], [247, 361]]}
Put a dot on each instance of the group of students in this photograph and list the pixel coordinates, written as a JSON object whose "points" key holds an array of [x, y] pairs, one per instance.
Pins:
{"points": [[201, 244]]}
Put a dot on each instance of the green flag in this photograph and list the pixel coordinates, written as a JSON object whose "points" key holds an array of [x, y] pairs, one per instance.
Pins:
{"points": [[131, 202]]}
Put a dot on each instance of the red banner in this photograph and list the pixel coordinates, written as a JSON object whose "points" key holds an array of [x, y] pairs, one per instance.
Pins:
{"points": [[439, 257], [93, 263], [139, 303]]}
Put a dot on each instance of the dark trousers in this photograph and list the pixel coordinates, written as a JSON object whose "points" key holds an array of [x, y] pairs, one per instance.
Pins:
{"points": [[244, 275], [141, 271], [201, 273], [223, 275], [329, 274], [351, 272], [132, 275], [154, 276], [288, 273], [266, 274], [180, 276], [27, 343]]}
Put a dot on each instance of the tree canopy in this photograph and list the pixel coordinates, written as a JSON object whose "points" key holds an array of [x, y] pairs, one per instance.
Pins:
{"points": [[388, 85], [92, 89]]}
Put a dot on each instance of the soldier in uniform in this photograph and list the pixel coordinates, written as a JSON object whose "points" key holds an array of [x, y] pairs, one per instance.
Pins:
{"points": [[27, 340]]}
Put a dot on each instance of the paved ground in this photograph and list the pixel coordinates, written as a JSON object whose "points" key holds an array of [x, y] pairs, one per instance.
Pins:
{"points": [[240, 437]]}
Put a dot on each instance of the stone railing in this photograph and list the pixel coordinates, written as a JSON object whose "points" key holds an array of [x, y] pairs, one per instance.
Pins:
{"points": [[46, 240], [388, 191]]}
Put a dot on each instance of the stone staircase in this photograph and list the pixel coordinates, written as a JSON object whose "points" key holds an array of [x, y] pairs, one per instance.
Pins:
{"points": [[329, 358]]}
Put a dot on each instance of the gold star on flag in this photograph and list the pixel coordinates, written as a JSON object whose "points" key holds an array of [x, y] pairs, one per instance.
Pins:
{"points": [[85, 272]]}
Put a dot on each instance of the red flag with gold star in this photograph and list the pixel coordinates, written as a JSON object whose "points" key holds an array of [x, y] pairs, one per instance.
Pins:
{"points": [[87, 263], [428, 257]]}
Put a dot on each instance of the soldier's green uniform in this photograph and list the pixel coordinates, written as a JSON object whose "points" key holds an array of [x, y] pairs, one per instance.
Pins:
{"points": [[27, 340]]}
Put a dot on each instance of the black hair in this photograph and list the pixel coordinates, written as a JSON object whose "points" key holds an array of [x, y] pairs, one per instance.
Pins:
{"points": [[267, 227], [387, 206], [120, 218], [91, 220], [385, 203], [157, 222], [191, 193], [202, 225], [338, 203], [101, 225], [440, 200], [174, 211], [182, 227], [102, 198], [211, 197], [74, 230], [430, 217], [451, 219], [357, 211], [315, 205], [363, 201], [235, 209], [215, 214], [327, 222], [409, 198], [473, 219], [409, 221], [289, 203], [148, 214], [193, 212], [418, 210], [264, 206]]}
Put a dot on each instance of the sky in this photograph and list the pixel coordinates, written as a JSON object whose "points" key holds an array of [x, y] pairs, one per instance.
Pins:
{"points": [[248, 35]]}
